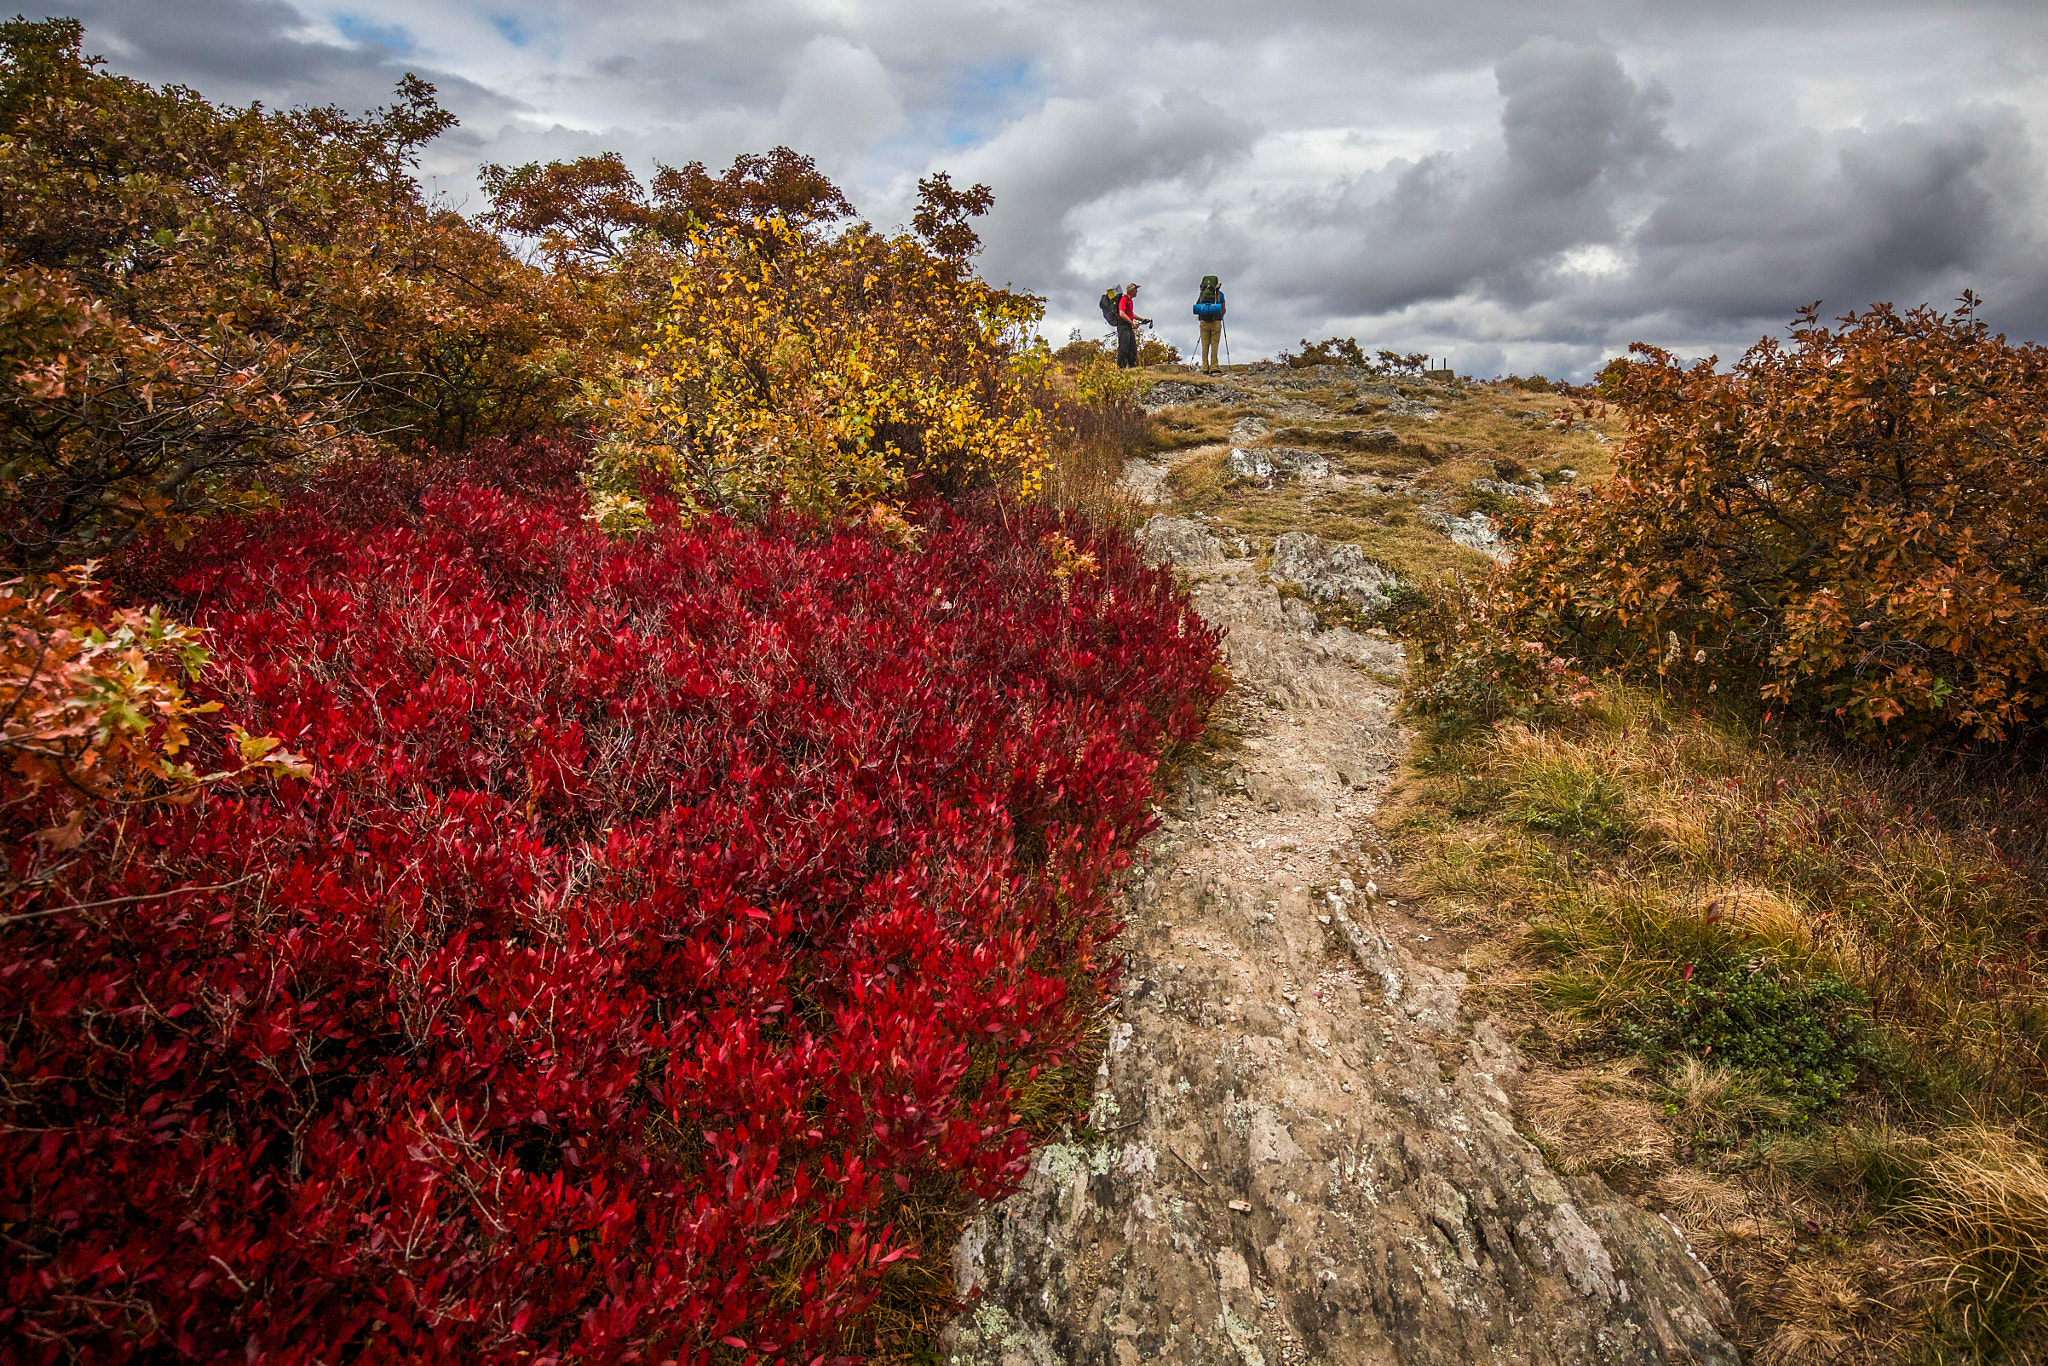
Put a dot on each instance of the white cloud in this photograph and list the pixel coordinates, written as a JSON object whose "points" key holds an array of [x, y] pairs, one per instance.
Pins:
{"points": [[840, 101]]}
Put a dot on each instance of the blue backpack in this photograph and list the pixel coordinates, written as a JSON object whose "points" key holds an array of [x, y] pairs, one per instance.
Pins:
{"points": [[1209, 303]]}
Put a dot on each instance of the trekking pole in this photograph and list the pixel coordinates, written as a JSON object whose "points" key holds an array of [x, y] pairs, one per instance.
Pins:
{"points": [[1226, 343]]}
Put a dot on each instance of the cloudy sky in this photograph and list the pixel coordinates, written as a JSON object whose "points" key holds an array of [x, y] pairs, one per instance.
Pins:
{"points": [[1515, 184]]}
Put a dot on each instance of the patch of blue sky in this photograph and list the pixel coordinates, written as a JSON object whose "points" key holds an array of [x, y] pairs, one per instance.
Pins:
{"points": [[367, 33], [983, 97], [539, 32]]}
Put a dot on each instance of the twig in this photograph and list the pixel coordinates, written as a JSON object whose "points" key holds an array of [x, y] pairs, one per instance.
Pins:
{"points": [[124, 900], [1199, 1176]]}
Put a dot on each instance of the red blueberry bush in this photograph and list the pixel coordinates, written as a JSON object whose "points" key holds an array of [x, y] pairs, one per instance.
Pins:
{"points": [[659, 912]]}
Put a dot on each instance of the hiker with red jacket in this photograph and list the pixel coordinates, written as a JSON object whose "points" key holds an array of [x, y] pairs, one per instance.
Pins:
{"points": [[1127, 321]]}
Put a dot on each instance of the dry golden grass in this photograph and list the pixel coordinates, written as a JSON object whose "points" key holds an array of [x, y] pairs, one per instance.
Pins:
{"points": [[1384, 526], [1602, 1119], [1430, 461], [1484, 422], [1907, 1221], [1175, 429], [1089, 459]]}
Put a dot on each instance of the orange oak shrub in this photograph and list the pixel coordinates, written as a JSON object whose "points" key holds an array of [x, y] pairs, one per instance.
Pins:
{"points": [[94, 716], [191, 291], [91, 697], [1853, 525]]}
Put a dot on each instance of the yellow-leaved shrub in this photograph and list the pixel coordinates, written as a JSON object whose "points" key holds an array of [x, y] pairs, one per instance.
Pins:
{"points": [[826, 371]]}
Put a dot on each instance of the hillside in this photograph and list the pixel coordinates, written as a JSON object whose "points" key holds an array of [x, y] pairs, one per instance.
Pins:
{"points": [[615, 778], [1770, 985], [1302, 1145]]}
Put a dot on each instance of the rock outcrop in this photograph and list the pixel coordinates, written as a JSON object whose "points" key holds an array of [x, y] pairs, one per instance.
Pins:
{"points": [[1524, 493], [1250, 463], [1330, 573], [1170, 393], [1179, 540], [1411, 407], [1473, 530], [1300, 1150]]}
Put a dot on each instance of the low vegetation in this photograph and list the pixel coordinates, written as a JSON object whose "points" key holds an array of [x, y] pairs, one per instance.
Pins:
{"points": [[658, 917], [564, 770], [1849, 527], [1388, 465], [1734, 803]]}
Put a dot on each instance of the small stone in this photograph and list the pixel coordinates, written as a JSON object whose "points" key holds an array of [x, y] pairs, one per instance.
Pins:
{"points": [[1179, 541], [1241, 1206], [1250, 464]]}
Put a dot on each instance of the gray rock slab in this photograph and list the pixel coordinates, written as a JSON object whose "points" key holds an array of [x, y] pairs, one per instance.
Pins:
{"points": [[1330, 573], [1370, 650], [1474, 531], [1293, 410], [1296, 463], [1527, 493], [1169, 393], [1144, 481], [1411, 407], [1179, 540], [1250, 463], [1300, 1148]]}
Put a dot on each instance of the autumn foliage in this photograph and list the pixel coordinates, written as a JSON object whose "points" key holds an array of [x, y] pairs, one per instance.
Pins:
{"points": [[659, 911], [192, 293], [559, 794], [825, 370], [1852, 526]]}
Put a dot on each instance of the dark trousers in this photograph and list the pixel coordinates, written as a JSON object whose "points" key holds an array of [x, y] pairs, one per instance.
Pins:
{"points": [[1126, 346]]}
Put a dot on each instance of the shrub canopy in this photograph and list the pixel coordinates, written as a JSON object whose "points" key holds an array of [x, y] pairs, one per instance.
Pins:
{"points": [[663, 917], [824, 369], [191, 292], [1854, 525]]}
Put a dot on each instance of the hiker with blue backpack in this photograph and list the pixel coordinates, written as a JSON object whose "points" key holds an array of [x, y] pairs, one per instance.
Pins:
{"points": [[1209, 308]]}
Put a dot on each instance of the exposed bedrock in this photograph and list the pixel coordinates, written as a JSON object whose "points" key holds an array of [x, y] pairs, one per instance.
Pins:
{"points": [[1300, 1150]]}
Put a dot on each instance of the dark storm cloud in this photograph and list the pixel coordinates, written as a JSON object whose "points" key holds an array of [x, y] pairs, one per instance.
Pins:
{"points": [[1576, 136], [1591, 223], [1895, 211], [237, 51]]}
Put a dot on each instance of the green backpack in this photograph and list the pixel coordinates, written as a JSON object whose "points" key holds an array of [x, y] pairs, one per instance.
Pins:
{"points": [[1212, 291]]}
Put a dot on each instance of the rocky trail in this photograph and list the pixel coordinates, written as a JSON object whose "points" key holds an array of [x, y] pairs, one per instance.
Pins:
{"points": [[1302, 1147]]}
